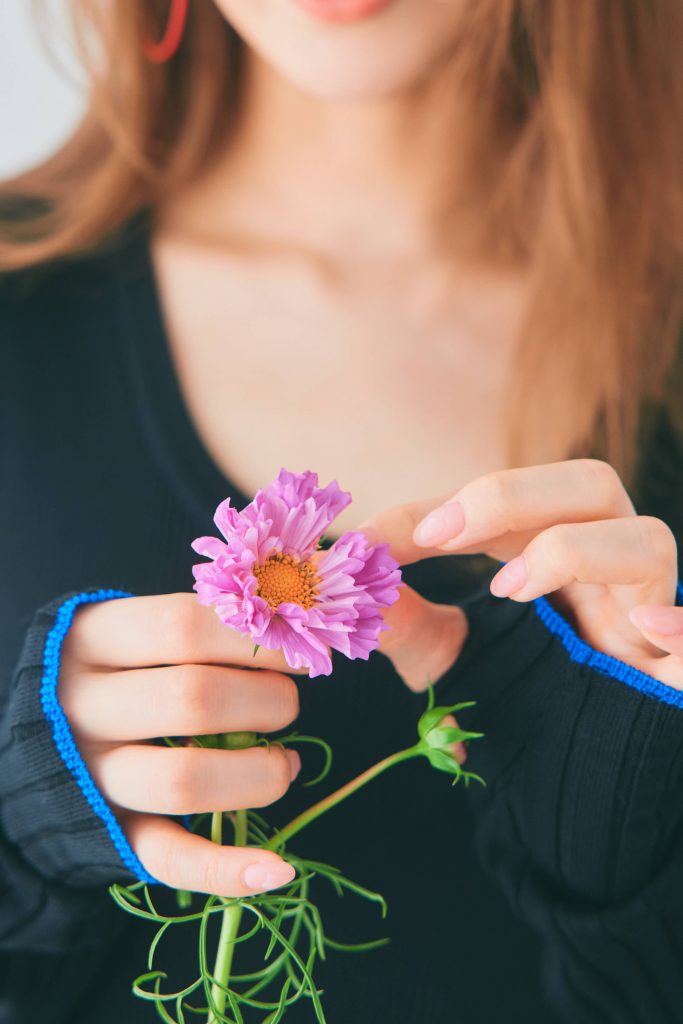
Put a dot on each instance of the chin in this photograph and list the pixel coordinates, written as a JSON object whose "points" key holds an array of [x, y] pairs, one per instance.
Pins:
{"points": [[380, 48], [355, 76]]}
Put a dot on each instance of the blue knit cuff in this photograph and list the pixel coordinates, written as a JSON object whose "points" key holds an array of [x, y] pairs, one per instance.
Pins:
{"points": [[583, 654], [61, 732]]}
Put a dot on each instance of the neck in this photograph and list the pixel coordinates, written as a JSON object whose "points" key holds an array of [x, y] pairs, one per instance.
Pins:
{"points": [[343, 179]]}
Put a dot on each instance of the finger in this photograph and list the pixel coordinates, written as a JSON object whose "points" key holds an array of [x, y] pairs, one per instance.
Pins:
{"points": [[518, 501], [166, 629], [637, 553], [504, 504], [395, 526], [193, 780], [423, 639], [662, 625], [183, 860], [178, 700]]}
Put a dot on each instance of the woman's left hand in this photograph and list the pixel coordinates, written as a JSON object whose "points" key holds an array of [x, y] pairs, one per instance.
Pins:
{"points": [[568, 529]]}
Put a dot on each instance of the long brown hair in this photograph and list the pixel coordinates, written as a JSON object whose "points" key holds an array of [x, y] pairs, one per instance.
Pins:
{"points": [[588, 189]]}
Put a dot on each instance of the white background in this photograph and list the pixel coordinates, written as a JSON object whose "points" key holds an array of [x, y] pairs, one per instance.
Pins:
{"points": [[41, 91]]}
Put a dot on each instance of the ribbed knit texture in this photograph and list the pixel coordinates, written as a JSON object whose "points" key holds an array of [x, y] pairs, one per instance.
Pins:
{"points": [[581, 821], [62, 736], [51, 844], [553, 894]]}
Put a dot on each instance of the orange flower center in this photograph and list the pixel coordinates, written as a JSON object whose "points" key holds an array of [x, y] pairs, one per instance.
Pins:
{"points": [[284, 579]]}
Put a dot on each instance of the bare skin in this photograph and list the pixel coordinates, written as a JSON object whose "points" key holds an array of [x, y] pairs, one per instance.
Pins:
{"points": [[319, 316], [294, 297]]}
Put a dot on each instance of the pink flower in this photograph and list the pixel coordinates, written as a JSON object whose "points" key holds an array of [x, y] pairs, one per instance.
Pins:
{"points": [[270, 581]]}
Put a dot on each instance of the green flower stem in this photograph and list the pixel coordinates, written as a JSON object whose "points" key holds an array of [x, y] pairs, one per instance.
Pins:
{"points": [[306, 817], [232, 913], [230, 923], [217, 827]]}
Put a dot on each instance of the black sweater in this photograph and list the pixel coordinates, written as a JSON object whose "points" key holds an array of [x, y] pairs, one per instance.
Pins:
{"points": [[556, 893]]}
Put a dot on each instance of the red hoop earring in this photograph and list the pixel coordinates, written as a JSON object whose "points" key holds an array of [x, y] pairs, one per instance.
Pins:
{"points": [[168, 45]]}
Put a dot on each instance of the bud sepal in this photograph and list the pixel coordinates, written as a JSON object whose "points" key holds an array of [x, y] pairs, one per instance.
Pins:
{"points": [[437, 739]]}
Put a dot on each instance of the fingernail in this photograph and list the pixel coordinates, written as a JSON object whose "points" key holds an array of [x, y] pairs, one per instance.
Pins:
{"points": [[658, 619], [294, 763], [268, 876], [510, 578], [443, 524]]}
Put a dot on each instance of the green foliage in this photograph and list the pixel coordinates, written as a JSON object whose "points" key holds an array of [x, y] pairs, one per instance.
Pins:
{"points": [[437, 740], [288, 922], [290, 927], [294, 737]]}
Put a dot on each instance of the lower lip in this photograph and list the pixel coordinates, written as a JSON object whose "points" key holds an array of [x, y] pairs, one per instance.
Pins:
{"points": [[343, 10]]}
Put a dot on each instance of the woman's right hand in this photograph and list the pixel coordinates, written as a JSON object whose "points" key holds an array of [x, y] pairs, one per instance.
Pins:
{"points": [[138, 668]]}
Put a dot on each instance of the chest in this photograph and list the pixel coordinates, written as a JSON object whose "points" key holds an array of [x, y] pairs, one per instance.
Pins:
{"points": [[390, 390]]}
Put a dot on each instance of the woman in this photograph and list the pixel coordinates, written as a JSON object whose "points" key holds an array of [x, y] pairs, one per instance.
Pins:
{"points": [[426, 249]]}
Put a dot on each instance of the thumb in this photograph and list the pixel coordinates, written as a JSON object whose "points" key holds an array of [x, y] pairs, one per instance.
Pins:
{"points": [[662, 625], [423, 639]]}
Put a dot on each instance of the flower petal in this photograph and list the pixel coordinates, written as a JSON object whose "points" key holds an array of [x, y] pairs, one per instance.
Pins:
{"points": [[355, 580], [298, 509], [380, 574], [226, 518], [287, 631], [210, 547]]}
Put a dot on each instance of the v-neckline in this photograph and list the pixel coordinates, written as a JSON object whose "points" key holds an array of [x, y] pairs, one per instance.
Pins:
{"points": [[164, 413], [167, 426]]}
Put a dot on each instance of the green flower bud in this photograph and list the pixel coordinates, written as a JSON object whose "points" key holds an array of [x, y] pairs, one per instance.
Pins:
{"points": [[437, 739]]}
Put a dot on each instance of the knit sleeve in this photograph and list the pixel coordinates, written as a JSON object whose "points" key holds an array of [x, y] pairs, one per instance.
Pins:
{"points": [[59, 839], [581, 820]]}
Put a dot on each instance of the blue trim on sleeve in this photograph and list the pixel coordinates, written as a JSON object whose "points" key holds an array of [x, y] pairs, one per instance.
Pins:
{"points": [[582, 653], [62, 735]]}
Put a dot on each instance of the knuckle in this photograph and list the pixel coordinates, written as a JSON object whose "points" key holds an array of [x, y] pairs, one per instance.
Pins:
{"points": [[494, 491], [180, 625], [604, 483], [287, 699], [557, 546], [186, 695], [178, 789], [397, 525], [211, 874], [658, 540], [275, 777], [404, 520]]}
